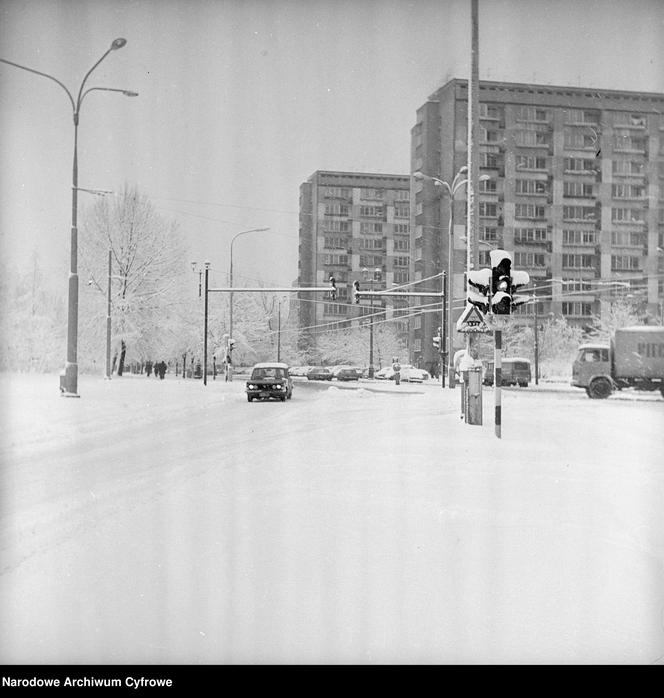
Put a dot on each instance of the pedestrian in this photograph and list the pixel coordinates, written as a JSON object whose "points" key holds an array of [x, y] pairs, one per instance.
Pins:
{"points": [[396, 367], [162, 370], [148, 368]]}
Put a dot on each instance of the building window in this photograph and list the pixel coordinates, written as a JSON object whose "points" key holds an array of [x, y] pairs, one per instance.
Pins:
{"points": [[335, 259], [581, 116], [579, 138], [488, 186], [402, 244], [628, 191], [401, 276], [625, 263], [627, 119], [578, 190], [531, 114], [579, 213], [401, 210], [337, 226], [629, 143], [628, 168], [334, 309], [336, 210], [488, 209], [627, 238], [489, 135], [401, 261], [490, 111], [578, 261], [526, 235], [402, 228], [488, 233], [338, 193], [371, 194], [331, 242], [367, 260], [402, 195], [579, 237], [531, 186], [529, 259], [368, 228], [627, 215], [530, 162], [579, 165], [372, 211], [529, 211], [489, 160], [371, 244], [528, 138], [577, 308]]}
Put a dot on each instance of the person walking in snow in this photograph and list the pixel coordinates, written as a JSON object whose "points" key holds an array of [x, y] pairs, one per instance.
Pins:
{"points": [[396, 367]]}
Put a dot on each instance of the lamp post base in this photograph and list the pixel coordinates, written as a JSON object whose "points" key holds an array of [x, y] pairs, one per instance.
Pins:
{"points": [[69, 381]]}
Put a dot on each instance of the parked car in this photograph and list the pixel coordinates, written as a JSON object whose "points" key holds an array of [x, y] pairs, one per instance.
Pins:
{"points": [[348, 373], [299, 370], [386, 373], [410, 374], [319, 373], [270, 380]]}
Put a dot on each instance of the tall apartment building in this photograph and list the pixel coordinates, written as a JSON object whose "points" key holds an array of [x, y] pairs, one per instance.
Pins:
{"points": [[353, 226], [576, 194]]}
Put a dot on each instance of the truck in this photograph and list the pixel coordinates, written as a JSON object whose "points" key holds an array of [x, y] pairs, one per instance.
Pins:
{"points": [[633, 358], [514, 371]]}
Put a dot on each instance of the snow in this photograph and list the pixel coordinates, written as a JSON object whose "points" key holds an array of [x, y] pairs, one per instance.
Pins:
{"points": [[164, 522]]}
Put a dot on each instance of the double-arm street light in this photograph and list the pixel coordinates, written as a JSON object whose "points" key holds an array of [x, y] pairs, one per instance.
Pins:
{"points": [[230, 275], [460, 179], [69, 377]]}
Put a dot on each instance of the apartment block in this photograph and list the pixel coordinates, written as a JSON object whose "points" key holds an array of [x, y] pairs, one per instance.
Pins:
{"points": [[575, 191], [353, 226]]}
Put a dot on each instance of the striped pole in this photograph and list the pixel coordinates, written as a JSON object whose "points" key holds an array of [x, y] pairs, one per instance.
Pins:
{"points": [[498, 375]]}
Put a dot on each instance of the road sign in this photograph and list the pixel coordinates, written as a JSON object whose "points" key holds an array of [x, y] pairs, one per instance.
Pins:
{"points": [[472, 320]]}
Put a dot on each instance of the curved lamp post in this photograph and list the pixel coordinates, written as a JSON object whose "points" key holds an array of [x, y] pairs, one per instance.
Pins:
{"points": [[230, 275], [69, 377], [460, 179]]}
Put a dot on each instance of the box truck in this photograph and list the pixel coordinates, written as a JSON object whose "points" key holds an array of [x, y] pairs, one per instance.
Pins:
{"points": [[634, 358]]}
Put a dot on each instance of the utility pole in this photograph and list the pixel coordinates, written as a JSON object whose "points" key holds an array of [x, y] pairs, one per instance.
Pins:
{"points": [[473, 378]]}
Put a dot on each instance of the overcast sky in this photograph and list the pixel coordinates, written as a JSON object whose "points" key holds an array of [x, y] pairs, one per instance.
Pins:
{"points": [[242, 100]]}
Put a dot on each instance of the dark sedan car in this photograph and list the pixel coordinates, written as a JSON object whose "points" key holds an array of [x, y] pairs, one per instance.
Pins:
{"points": [[348, 373], [270, 380], [319, 374]]}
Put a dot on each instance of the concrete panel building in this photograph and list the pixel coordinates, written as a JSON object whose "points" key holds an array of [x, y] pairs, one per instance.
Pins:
{"points": [[576, 194], [353, 226]]}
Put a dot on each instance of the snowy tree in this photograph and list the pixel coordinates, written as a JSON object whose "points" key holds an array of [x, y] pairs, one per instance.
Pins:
{"points": [[147, 277], [33, 321], [621, 312]]}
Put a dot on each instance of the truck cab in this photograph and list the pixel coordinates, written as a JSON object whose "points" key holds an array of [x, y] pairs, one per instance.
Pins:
{"points": [[592, 370]]}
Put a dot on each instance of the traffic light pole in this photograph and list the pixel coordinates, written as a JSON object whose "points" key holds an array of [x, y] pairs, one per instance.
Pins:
{"points": [[498, 378]]}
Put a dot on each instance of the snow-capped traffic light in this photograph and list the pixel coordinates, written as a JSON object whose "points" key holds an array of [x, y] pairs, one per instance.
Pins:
{"points": [[477, 288], [333, 288], [356, 291], [501, 282], [519, 279]]}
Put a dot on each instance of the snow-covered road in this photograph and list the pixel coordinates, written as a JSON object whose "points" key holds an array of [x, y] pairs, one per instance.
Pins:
{"points": [[164, 522]]}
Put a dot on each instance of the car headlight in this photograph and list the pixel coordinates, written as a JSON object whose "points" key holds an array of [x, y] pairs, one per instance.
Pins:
{"points": [[278, 386], [251, 386]]}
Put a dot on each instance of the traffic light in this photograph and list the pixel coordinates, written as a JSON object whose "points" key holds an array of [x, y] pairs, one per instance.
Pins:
{"points": [[519, 279], [477, 288], [437, 338], [501, 282], [356, 291], [229, 350], [333, 288]]}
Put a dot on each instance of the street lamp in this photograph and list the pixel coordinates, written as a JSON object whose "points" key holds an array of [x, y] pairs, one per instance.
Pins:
{"points": [[377, 273], [69, 377], [230, 275], [460, 179]]}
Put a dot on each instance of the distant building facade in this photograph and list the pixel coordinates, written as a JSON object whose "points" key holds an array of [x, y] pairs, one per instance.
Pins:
{"points": [[576, 194], [353, 226]]}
